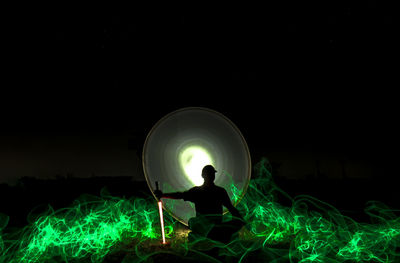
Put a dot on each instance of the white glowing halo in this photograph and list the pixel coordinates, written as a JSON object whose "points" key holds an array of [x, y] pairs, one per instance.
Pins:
{"points": [[192, 160], [181, 143]]}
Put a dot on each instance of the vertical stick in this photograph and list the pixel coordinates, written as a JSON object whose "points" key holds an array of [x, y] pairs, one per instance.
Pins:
{"points": [[160, 210]]}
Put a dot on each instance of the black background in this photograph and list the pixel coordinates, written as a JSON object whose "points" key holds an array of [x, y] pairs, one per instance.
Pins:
{"points": [[309, 77]]}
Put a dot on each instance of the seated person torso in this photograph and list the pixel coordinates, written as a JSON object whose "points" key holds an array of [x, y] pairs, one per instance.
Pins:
{"points": [[208, 200]]}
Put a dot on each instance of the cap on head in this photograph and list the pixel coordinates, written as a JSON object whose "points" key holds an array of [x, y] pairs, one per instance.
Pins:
{"points": [[208, 171]]}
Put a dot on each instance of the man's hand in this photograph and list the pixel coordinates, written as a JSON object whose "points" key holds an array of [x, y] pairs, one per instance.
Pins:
{"points": [[158, 194]]}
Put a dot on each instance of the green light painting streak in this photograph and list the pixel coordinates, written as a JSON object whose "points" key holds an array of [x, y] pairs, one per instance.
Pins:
{"points": [[91, 228], [315, 231], [308, 230]]}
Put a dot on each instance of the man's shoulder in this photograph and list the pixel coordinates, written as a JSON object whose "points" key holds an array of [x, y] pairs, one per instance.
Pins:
{"points": [[194, 189], [220, 189], [191, 194], [202, 189]]}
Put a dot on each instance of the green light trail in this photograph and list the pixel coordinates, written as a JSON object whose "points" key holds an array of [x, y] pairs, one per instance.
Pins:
{"points": [[308, 230], [91, 228], [316, 231]]}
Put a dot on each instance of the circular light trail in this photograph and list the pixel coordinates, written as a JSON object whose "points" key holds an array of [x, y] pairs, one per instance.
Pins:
{"points": [[181, 143]]}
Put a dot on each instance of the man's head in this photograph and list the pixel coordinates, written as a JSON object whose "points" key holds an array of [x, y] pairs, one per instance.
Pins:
{"points": [[208, 173]]}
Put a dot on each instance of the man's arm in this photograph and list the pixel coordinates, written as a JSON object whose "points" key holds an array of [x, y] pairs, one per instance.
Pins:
{"points": [[227, 203], [177, 195], [233, 210]]}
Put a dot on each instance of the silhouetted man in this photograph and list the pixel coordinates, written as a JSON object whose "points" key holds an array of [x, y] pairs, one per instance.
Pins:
{"points": [[209, 200]]}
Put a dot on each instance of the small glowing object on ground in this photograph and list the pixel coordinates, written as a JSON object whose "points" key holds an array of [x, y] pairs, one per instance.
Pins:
{"points": [[192, 161], [161, 221]]}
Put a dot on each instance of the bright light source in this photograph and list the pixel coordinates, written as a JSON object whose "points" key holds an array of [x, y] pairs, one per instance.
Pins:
{"points": [[192, 161], [161, 221]]}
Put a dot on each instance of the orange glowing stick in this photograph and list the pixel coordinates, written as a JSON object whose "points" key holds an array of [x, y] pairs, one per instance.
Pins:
{"points": [[160, 210], [162, 221]]}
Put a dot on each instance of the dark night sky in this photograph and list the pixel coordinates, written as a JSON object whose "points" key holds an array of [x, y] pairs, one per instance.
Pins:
{"points": [[303, 82]]}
